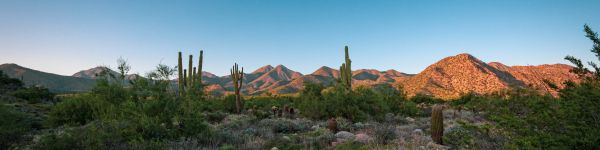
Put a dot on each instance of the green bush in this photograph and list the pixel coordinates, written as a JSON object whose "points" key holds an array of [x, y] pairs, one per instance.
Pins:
{"points": [[77, 110], [34, 94], [459, 138], [13, 127]]}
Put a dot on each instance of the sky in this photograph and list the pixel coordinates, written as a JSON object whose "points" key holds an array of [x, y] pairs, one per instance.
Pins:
{"points": [[64, 37]]}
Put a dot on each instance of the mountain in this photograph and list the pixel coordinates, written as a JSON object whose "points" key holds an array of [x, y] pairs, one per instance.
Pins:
{"points": [[456, 75], [327, 72], [93, 73], [448, 78], [54, 82], [460, 74], [534, 76], [278, 76]]}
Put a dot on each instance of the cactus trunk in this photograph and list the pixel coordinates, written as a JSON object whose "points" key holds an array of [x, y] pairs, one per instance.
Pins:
{"points": [[185, 79], [180, 73], [190, 74], [199, 78], [437, 124], [237, 77], [346, 71]]}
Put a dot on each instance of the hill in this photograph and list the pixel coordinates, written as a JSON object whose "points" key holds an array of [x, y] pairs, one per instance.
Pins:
{"points": [[54, 82]]}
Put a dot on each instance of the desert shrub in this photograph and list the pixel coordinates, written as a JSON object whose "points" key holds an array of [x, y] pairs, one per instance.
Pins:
{"points": [[33, 94], [459, 138], [408, 108], [536, 121], [384, 134], [318, 138], [361, 104], [77, 110], [351, 145], [215, 117], [110, 92], [13, 127], [282, 125], [9, 84], [427, 99], [227, 147], [311, 102], [228, 103]]}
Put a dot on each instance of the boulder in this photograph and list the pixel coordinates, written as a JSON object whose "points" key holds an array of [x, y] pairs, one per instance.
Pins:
{"points": [[409, 119], [432, 145], [363, 138], [343, 136]]}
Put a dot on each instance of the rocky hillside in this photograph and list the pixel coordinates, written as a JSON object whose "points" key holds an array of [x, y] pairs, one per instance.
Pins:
{"points": [[54, 82], [534, 76], [453, 76]]}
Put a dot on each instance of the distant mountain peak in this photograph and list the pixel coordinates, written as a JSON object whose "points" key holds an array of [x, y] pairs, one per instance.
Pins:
{"points": [[263, 69], [326, 72], [92, 73]]}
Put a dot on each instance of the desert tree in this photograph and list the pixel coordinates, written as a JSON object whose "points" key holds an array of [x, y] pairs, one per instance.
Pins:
{"points": [[582, 71]]}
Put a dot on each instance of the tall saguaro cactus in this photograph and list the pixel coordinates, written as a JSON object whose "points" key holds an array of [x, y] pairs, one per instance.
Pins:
{"points": [[190, 73], [237, 76], [199, 73], [437, 124], [346, 71], [180, 81]]}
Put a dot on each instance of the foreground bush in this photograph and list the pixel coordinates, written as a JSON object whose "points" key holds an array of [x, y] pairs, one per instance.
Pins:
{"points": [[13, 127]]}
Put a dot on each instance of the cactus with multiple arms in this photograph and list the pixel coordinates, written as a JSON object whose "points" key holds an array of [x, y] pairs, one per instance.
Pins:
{"points": [[189, 80], [346, 71], [237, 76], [437, 124]]}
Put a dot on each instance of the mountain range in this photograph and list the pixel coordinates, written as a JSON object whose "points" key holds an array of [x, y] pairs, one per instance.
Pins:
{"points": [[446, 79]]}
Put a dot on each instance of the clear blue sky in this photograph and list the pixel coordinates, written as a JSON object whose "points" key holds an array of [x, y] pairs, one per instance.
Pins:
{"points": [[64, 37]]}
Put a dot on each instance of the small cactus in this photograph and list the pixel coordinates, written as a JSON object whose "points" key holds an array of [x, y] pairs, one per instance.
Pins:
{"points": [[332, 124], [437, 124], [274, 110]]}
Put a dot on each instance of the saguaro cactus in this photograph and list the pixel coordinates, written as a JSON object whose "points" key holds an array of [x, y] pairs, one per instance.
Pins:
{"points": [[190, 73], [194, 76], [199, 78], [346, 71], [237, 77], [180, 81], [185, 78], [437, 124]]}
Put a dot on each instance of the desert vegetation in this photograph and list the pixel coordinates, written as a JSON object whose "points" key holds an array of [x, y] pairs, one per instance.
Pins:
{"points": [[151, 112]]}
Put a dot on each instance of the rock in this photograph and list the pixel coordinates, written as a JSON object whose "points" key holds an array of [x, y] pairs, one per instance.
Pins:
{"points": [[344, 136], [432, 145], [287, 138], [315, 127], [334, 143], [409, 119], [358, 125], [274, 148], [418, 132], [363, 138]]}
